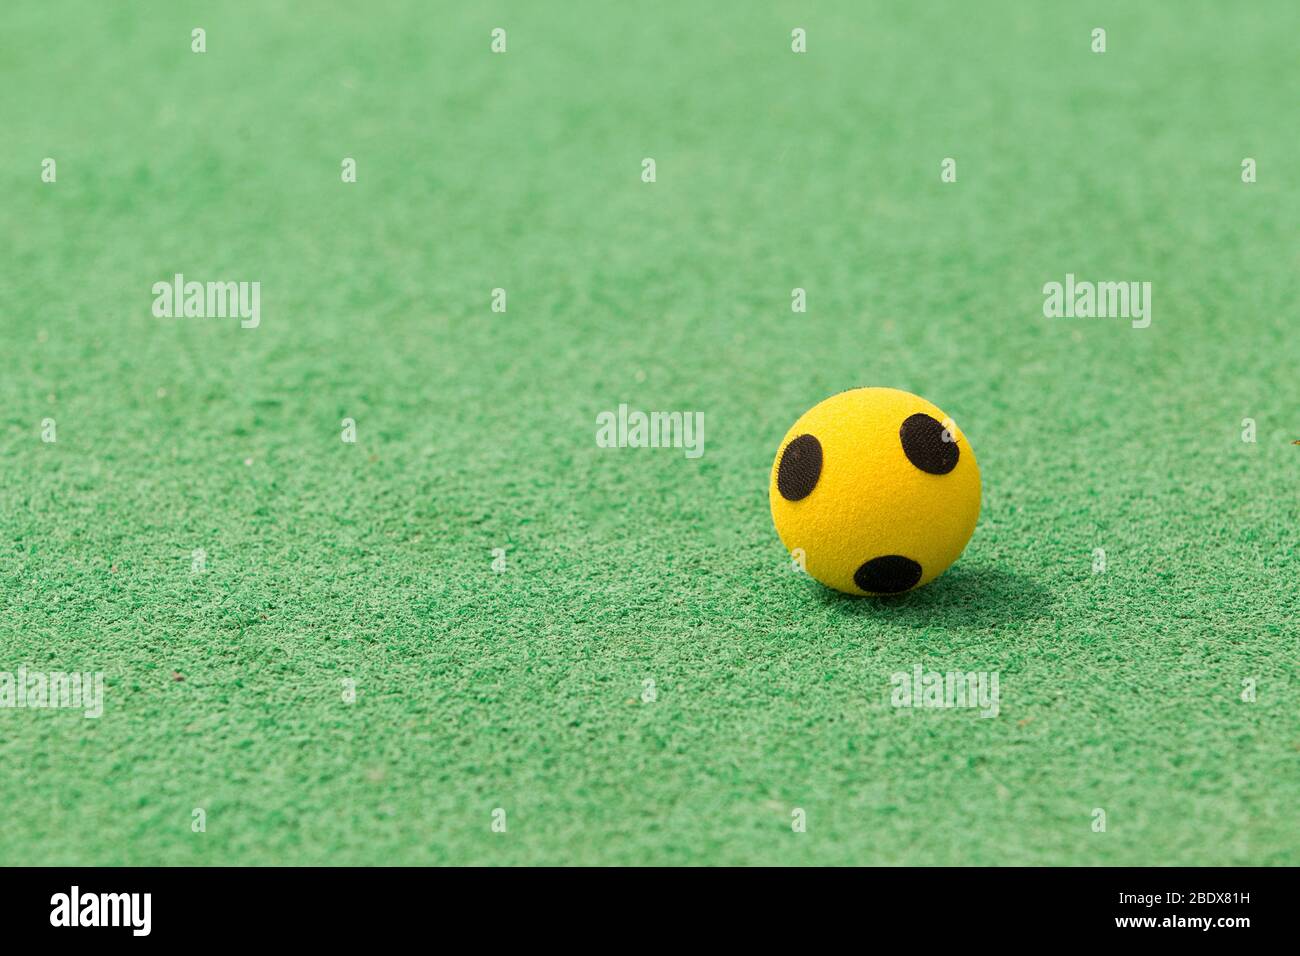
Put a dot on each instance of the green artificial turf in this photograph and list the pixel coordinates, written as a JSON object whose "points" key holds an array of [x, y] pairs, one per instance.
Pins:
{"points": [[524, 690]]}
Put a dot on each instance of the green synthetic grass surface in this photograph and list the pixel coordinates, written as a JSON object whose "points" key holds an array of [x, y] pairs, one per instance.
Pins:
{"points": [[523, 690]]}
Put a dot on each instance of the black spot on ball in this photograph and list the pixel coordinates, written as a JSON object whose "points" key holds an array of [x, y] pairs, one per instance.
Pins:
{"points": [[801, 466], [926, 447], [887, 574]]}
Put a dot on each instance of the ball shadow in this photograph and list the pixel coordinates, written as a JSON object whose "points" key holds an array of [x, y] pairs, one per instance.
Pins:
{"points": [[974, 595]]}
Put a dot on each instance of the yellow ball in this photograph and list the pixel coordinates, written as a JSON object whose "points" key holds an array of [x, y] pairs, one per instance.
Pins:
{"points": [[875, 490]]}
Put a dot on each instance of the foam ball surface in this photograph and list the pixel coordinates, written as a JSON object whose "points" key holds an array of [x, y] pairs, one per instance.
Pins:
{"points": [[877, 488]]}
